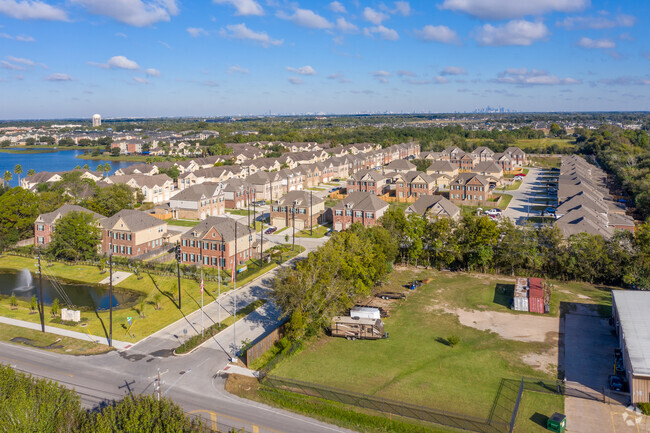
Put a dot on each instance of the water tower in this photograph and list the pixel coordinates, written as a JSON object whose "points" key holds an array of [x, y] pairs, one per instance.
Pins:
{"points": [[97, 120]]}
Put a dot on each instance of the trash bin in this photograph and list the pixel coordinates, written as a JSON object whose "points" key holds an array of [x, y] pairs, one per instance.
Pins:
{"points": [[556, 423]]}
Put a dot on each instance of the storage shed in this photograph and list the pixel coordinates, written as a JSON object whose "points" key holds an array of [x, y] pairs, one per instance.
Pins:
{"points": [[535, 296], [630, 310], [520, 299]]}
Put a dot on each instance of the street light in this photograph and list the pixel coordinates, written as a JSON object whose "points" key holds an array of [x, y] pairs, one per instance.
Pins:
{"points": [[293, 223], [178, 271]]}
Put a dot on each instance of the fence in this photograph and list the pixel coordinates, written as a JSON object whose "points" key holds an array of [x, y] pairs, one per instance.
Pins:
{"points": [[260, 347], [421, 413]]}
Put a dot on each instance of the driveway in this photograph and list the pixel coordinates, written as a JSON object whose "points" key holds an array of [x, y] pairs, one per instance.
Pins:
{"points": [[588, 353], [520, 207]]}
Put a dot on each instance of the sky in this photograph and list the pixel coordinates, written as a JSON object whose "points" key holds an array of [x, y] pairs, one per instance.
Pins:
{"points": [[151, 58]]}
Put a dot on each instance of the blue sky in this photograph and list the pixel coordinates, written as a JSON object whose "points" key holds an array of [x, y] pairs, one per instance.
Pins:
{"points": [[72, 58]]}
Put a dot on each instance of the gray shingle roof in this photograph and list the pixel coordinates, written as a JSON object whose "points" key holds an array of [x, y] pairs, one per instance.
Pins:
{"points": [[223, 225], [134, 220], [50, 217], [361, 201]]}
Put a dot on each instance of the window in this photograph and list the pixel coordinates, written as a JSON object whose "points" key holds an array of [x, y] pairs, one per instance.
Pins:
{"points": [[129, 236], [41, 240], [370, 215], [40, 227], [191, 257], [128, 250], [302, 211], [206, 260], [348, 213], [358, 214], [276, 208], [184, 242], [184, 257], [338, 212]]}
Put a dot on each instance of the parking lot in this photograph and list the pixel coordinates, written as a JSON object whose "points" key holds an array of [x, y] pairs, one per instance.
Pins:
{"points": [[589, 345], [530, 199]]}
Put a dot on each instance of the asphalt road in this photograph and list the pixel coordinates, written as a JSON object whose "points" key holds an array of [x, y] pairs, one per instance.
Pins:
{"points": [[192, 381]]}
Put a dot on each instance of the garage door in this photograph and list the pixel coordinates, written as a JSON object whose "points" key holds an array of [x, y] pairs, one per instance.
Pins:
{"points": [[278, 222]]}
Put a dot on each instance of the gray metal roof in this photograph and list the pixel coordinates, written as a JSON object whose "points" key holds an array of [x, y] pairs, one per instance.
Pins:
{"points": [[633, 307]]}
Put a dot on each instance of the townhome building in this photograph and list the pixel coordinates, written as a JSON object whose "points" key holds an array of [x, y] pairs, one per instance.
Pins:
{"points": [[370, 181], [491, 171], [303, 207], [434, 206], [130, 233], [51, 177], [517, 156], [198, 202], [266, 185], [357, 207], [399, 166], [44, 226], [413, 184], [146, 169], [238, 193], [156, 189], [482, 154], [217, 242], [443, 172], [469, 189]]}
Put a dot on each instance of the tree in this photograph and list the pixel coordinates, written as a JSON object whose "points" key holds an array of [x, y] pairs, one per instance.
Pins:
{"points": [[110, 200], [73, 185], [31, 172], [18, 169], [18, 211], [100, 168], [76, 237], [7, 176], [56, 307], [33, 304], [115, 151], [107, 168], [86, 167], [5, 143]]}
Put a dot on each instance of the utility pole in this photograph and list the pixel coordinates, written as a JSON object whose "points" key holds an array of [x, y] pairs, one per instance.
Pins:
{"points": [[178, 271], [248, 204], [311, 213], [293, 223], [159, 386], [234, 291], [110, 299], [40, 289]]}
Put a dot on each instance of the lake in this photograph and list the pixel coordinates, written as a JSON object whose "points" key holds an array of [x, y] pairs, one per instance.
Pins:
{"points": [[60, 160], [86, 296]]}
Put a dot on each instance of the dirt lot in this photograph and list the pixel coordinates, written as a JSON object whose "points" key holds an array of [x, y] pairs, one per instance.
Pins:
{"points": [[520, 327]]}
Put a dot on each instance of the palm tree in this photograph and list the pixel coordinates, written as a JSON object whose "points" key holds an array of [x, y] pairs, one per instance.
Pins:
{"points": [[100, 168], [31, 172], [78, 167], [86, 167], [7, 177], [18, 169], [107, 168]]}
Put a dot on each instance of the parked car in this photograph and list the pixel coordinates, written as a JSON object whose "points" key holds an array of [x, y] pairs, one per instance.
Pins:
{"points": [[390, 295], [493, 212], [550, 210], [616, 383], [270, 230], [329, 232], [260, 203], [336, 179]]}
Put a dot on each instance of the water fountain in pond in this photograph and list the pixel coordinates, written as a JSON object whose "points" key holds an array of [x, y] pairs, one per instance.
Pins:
{"points": [[25, 281]]}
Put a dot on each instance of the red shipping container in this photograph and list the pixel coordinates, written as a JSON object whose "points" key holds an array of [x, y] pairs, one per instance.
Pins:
{"points": [[535, 283], [536, 300]]}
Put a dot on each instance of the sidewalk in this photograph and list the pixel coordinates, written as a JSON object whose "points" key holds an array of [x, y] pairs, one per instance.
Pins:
{"points": [[120, 345]]}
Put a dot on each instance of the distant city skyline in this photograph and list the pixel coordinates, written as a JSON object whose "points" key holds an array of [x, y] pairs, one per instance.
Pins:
{"points": [[166, 58]]}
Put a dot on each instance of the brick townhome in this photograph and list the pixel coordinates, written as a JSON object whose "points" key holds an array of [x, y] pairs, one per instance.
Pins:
{"points": [[469, 189], [130, 233], [198, 201], [361, 207], [45, 223], [306, 204], [414, 184], [370, 181], [211, 243]]}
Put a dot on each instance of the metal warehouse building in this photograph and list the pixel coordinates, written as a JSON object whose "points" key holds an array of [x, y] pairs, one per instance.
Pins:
{"points": [[631, 312]]}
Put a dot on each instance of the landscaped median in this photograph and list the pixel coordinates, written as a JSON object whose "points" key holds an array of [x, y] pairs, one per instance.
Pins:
{"points": [[50, 342], [154, 297]]}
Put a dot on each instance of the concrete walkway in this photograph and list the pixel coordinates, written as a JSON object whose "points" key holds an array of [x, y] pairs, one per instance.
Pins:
{"points": [[120, 345], [118, 277]]}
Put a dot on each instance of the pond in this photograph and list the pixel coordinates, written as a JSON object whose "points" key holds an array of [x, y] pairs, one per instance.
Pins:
{"points": [[80, 295]]}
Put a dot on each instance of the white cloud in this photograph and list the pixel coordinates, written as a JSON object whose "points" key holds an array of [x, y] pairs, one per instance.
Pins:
{"points": [[453, 70], [240, 31], [403, 8], [137, 13], [596, 43], [383, 32], [374, 16], [237, 69], [140, 80], [244, 7], [12, 67], [31, 10], [338, 77], [442, 34], [58, 77], [337, 7], [381, 76], [303, 70], [119, 62], [532, 77], [21, 60], [152, 72], [120, 35], [506, 9], [625, 81], [440, 80], [406, 73], [195, 32], [345, 26], [306, 18], [516, 32], [210, 83], [597, 23], [20, 38], [295, 80]]}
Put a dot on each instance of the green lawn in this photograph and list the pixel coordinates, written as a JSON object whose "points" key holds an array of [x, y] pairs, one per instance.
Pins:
{"points": [[241, 212], [415, 364], [535, 408], [50, 342], [315, 189], [184, 223], [331, 202], [550, 162], [503, 204], [319, 232]]}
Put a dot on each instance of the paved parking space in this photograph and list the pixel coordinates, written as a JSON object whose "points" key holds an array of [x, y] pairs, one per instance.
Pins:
{"points": [[588, 355], [523, 199]]}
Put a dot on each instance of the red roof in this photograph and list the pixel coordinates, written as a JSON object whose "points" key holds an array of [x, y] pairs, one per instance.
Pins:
{"points": [[535, 283], [536, 292]]}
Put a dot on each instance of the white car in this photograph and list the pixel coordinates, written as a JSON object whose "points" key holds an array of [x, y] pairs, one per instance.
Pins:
{"points": [[493, 212]]}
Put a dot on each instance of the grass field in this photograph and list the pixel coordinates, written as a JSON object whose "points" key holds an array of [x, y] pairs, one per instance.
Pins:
{"points": [[550, 162], [183, 223], [49, 342], [241, 212], [415, 364], [535, 145], [319, 232]]}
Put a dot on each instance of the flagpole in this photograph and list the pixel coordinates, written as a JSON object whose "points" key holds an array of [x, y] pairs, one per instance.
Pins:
{"points": [[219, 283], [202, 328], [234, 290]]}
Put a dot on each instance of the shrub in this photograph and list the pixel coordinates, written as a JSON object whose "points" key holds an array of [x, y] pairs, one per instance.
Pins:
{"points": [[453, 340], [56, 307], [33, 304], [645, 408], [12, 301]]}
